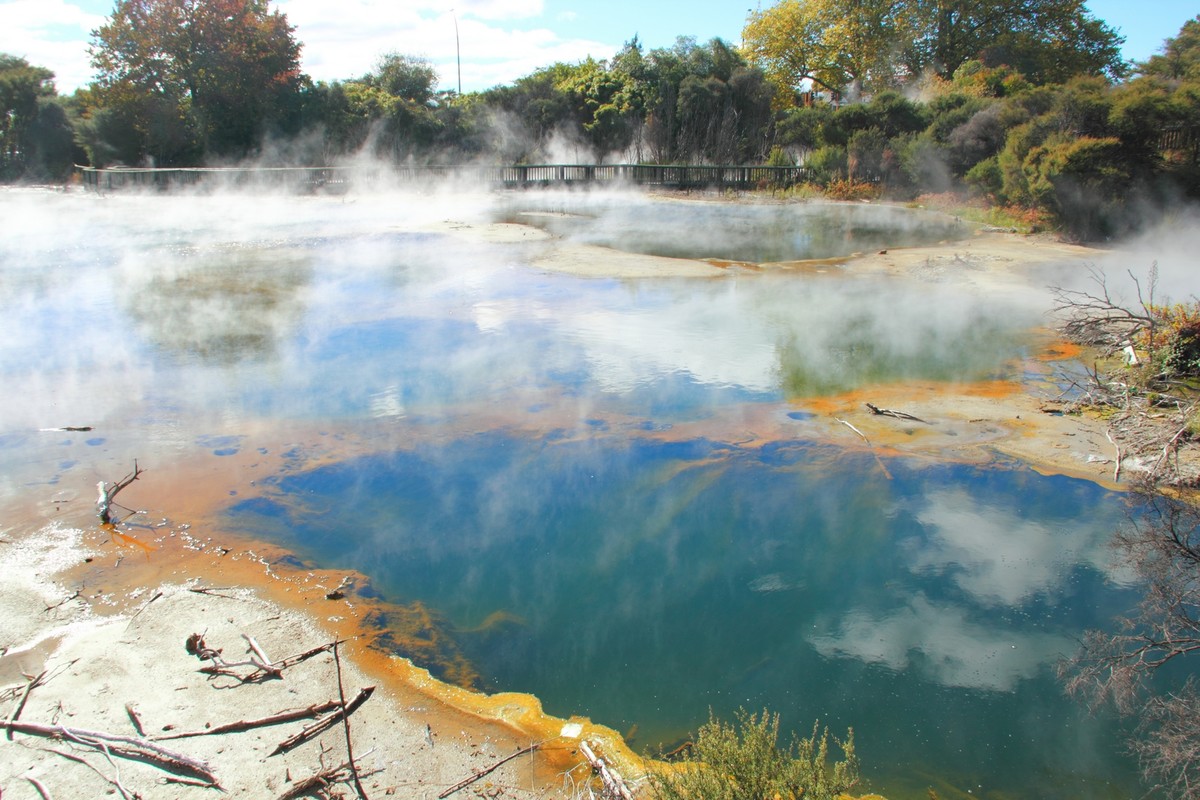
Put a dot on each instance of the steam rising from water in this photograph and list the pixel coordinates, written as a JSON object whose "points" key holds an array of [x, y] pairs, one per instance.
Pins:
{"points": [[526, 428]]}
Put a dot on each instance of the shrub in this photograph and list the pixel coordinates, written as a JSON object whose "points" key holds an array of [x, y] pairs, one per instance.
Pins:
{"points": [[850, 189], [743, 761], [827, 163]]}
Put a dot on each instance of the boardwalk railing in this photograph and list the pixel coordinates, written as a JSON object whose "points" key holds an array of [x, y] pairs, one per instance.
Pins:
{"points": [[522, 175]]}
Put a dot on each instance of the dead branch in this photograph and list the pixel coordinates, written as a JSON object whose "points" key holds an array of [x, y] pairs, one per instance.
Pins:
{"points": [[116, 782], [878, 460], [29, 687], [465, 782], [1097, 318], [321, 780], [41, 789], [135, 719], [281, 718], [147, 605], [105, 501], [856, 430], [887, 412], [322, 725], [346, 727], [258, 651], [134, 748], [64, 601], [262, 668], [614, 785], [1117, 447], [214, 591]]}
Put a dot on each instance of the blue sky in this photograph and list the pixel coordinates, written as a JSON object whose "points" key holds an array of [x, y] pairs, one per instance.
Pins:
{"points": [[501, 40]]}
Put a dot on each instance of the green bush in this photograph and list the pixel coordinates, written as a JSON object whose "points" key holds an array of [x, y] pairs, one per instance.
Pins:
{"points": [[743, 761], [826, 164]]}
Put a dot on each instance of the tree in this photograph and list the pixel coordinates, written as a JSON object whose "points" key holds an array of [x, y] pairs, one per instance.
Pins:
{"points": [[1180, 56], [1146, 667], [1046, 40], [852, 45], [222, 71], [22, 87], [834, 44]]}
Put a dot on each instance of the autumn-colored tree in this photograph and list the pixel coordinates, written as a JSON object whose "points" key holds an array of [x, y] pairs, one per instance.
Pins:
{"points": [[849, 45], [838, 45], [226, 70]]}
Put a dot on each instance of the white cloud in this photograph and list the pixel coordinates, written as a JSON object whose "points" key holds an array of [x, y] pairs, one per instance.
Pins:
{"points": [[1000, 558], [944, 645], [345, 40], [501, 40], [52, 34]]}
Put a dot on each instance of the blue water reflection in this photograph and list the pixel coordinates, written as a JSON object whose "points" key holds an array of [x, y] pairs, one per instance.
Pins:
{"points": [[643, 581], [551, 465]]}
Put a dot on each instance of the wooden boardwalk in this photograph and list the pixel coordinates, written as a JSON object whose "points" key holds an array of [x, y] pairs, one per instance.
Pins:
{"points": [[308, 179]]}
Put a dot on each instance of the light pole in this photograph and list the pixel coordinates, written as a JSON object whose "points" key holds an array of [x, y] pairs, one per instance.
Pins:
{"points": [[457, 51]]}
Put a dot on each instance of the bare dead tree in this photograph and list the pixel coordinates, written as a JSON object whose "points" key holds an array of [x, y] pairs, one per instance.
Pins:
{"points": [[1155, 410], [1161, 542], [1152, 412], [1097, 318]]}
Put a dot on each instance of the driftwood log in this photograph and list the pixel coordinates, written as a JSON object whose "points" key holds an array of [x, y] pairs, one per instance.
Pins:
{"points": [[323, 724], [614, 785], [132, 747]]}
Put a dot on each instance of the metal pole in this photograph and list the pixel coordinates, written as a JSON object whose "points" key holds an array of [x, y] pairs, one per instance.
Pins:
{"points": [[457, 50]]}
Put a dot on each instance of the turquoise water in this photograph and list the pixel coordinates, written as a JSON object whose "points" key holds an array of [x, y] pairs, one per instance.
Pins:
{"points": [[642, 582], [571, 472]]}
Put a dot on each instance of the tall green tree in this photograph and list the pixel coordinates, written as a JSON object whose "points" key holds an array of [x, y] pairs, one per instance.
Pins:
{"points": [[219, 72], [22, 86], [1180, 56], [1047, 41]]}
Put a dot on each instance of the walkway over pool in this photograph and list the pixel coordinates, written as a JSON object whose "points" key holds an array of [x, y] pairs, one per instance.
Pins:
{"points": [[311, 178]]}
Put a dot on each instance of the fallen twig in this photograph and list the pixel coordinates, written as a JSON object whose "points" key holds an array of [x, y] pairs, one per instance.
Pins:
{"points": [[214, 591], [131, 747], [135, 719], [321, 780], [887, 412], [29, 687], [337, 661], [147, 605], [245, 725], [465, 782], [116, 782], [64, 601], [41, 789], [104, 502], [322, 725], [1117, 447], [878, 460], [196, 646]]}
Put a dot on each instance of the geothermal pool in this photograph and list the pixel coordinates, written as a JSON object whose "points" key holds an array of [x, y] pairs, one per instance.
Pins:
{"points": [[610, 493]]}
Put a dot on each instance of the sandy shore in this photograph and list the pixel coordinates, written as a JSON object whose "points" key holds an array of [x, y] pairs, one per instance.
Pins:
{"points": [[101, 617]]}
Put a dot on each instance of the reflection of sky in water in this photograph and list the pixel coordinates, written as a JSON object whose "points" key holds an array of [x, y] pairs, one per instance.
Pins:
{"points": [[643, 581], [598, 562]]}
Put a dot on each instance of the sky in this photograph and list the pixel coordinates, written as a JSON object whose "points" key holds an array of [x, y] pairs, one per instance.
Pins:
{"points": [[500, 40]]}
